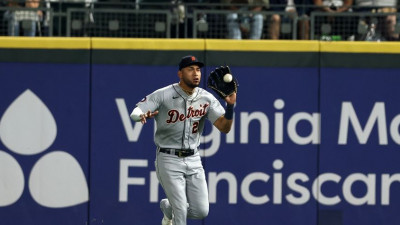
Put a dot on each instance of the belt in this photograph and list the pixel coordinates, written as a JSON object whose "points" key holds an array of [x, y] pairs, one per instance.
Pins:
{"points": [[178, 152]]}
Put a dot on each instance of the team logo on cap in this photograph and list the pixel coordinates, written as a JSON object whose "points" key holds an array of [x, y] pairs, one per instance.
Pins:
{"points": [[193, 58]]}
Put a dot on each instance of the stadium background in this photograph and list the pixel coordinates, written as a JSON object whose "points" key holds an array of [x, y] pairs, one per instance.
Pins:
{"points": [[290, 158]]}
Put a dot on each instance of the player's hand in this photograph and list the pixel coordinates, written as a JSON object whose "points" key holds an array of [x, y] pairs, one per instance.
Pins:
{"points": [[231, 99], [148, 115]]}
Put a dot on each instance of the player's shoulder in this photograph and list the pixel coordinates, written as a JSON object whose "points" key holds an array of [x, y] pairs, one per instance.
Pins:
{"points": [[164, 89]]}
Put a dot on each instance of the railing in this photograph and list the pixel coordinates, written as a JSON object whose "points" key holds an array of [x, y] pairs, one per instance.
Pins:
{"points": [[215, 24], [118, 23], [355, 26], [88, 19], [26, 21]]}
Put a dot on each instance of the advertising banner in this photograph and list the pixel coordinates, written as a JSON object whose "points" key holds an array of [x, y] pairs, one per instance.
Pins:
{"points": [[359, 171], [44, 132], [275, 138], [315, 138], [321, 149], [124, 187]]}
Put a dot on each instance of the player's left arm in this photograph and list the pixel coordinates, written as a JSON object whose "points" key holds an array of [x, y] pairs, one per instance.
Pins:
{"points": [[224, 123]]}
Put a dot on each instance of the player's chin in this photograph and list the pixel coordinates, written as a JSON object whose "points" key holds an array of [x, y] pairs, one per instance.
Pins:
{"points": [[196, 83]]}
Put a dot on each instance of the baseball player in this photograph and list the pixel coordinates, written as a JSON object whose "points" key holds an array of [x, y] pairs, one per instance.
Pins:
{"points": [[180, 111]]}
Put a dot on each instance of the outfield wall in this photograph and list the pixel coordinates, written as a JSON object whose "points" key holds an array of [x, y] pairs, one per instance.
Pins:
{"points": [[315, 138]]}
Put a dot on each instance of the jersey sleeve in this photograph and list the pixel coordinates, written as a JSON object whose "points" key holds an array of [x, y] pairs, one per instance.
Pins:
{"points": [[151, 102], [216, 110]]}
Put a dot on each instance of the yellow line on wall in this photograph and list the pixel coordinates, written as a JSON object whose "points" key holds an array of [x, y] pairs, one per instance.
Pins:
{"points": [[199, 45], [360, 47], [44, 43]]}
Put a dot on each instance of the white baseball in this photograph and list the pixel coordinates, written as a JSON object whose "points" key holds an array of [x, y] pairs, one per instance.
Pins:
{"points": [[228, 78]]}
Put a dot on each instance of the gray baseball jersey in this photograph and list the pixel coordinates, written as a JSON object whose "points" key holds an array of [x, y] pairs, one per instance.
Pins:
{"points": [[181, 118]]}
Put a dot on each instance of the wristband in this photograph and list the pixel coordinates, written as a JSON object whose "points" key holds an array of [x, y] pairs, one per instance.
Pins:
{"points": [[229, 112], [135, 115]]}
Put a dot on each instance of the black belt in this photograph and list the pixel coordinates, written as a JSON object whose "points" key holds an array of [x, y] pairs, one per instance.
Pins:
{"points": [[178, 152]]}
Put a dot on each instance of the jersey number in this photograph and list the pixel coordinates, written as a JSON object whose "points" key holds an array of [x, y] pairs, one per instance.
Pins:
{"points": [[195, 128]]}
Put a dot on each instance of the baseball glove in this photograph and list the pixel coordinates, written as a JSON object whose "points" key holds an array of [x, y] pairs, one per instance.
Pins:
{"points": [[216, 82]]}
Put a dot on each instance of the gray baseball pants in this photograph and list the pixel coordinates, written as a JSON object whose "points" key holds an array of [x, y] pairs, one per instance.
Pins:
{"points": [[184, 183]]}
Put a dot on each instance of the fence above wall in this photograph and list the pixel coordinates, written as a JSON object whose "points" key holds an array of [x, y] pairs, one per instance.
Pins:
{"points": [[204, 20]]}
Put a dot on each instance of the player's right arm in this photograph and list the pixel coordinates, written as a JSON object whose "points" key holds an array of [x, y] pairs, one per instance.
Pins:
{"points": [[150, 103], [137, 115]]}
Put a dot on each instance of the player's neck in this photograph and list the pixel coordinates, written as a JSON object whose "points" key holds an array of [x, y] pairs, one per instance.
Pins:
{"points": [[187, 90]]}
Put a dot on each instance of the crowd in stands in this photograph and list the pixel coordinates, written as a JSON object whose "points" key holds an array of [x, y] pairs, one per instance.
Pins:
{"points": [[245, 19]]}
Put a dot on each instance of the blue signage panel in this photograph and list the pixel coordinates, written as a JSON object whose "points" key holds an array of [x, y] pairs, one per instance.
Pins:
{"points": [[44, 133], [261, 171], [308, 147], [124, 188], [359, 171]]}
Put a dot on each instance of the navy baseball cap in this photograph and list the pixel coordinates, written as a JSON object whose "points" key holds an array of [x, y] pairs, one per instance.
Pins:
{"points": [[188, 61]]}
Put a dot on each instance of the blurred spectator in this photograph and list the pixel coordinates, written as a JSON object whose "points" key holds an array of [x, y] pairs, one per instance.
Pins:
{"points": [[246, 21], [275, 24], [9, 15], [276, 19], [335, 24], [299, 8], [34, 17], [333, 6], [385, 26], [28, 19], [302, 9]]}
